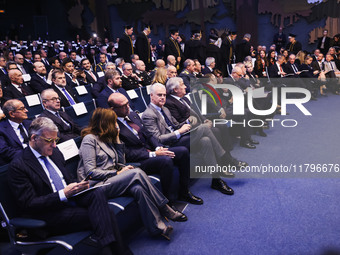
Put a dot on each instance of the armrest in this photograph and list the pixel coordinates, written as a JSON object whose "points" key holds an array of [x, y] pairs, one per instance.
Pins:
{"points": [[135, 164], [27, 223]]}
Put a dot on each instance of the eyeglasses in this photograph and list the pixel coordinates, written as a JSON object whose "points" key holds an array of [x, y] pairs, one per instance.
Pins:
{"points": [[20, 109], [50, 140], [54, 99], [124, 105]]}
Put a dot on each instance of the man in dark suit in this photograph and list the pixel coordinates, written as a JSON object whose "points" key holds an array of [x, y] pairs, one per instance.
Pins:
{"points": [[243, 48], [143, 77], [67, 128], [143, 48], [44, 189], [28, 63], [114, 85], [5, 81], [180, 108], [13, 130], [142, 147], [101, 83], [17, 88], [317, 65], [129, 79], [172, 47], [67, 95], [158, 121], [324, 42], [19, 60], [91, 76], [74, 77], [125, 44], [38, 79], [210, 64]]}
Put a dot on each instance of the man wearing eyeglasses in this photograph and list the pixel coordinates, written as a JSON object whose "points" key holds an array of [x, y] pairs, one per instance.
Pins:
{"points": [[44, 190], [67, 128], [13, 130]]}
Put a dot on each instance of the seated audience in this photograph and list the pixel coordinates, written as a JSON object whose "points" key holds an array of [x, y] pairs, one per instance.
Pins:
{"points": [[44, 190]]}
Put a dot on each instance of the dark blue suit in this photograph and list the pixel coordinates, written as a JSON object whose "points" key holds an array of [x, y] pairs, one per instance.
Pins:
{"points": [[37, 84], [35, 197], [104, 96], [10, 145], [137, 150]]}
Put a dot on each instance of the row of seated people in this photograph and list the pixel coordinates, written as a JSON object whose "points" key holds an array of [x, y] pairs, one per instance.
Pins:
{"points": [[99, 137]]}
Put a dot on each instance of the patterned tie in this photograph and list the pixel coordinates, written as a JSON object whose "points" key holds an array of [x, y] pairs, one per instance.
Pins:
{"points": [[69, 98], [56, 179], [168, 122], [23, 133], [23, 91], [93, 76]]}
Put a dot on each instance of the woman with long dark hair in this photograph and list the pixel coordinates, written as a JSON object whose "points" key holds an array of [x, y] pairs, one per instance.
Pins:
{"points": [[102, 153]]}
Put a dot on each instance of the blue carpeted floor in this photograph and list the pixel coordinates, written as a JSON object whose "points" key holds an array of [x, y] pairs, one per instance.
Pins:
{"points": [[295, 215]]}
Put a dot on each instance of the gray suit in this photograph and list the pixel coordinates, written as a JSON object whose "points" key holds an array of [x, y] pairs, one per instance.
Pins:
{"points": [[104, 160], [202, 140], [156, 125]]}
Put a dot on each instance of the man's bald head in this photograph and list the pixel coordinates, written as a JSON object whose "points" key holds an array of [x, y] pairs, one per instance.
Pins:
{"points": [[15, 76], [160, 63], [39, 68], [120, 104], [19, 59]]}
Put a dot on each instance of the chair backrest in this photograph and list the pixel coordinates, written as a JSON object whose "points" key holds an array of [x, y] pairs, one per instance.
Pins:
{"points": [[81, 120], [84, 97], [32, 110], [145, 95], [6, 198], [138, 102]]}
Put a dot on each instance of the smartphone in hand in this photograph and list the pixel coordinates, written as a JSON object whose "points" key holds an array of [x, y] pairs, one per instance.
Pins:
{"points": [[88, 177]]}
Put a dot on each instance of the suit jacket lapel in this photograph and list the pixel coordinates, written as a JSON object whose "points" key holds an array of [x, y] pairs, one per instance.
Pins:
{"points": [[161, 119], [35, 166], [110, 151], [12, 133]]}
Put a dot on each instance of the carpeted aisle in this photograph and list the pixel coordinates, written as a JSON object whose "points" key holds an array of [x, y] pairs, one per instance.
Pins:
{"points": [[268, 215]]}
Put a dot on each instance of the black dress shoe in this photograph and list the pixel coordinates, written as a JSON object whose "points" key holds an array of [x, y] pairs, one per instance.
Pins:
{"points": [[167, 232], [221, 186], [248, 145], [253, 141], [171, 214], [190, 198], [263, 134]]}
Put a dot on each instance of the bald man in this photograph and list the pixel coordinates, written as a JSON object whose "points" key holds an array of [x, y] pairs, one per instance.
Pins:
{"points": [[38, 79], [17, 88]]}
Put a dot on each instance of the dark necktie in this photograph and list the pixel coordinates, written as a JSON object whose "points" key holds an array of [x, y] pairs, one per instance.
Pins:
{"points": [[168, 122], [69, 98], [66, 123], [23, 133], [184, 102], [331, 65], [132, 124], [23, 91], [4, 70], [56, 179]]}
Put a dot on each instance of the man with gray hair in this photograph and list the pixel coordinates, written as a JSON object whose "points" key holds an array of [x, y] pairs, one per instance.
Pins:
{"points": [[188, 73], [143, 77], [119, 65], [13, 130], [158, 120], [67, 128], [44, 190], [243, 48], [17, 88], [129, 79], [210, 64]]}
